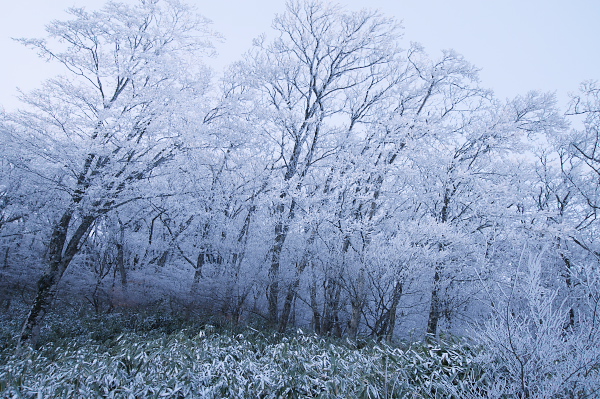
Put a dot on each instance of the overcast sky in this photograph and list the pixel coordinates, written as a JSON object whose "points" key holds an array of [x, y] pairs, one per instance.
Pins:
{"points": [[520, 45]]}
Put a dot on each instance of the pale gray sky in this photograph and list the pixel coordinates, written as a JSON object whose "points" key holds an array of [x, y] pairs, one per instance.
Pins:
{"points": [[520, 45]]}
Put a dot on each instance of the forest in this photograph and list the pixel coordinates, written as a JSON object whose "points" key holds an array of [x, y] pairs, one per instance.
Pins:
{"points": [[336, 194]]}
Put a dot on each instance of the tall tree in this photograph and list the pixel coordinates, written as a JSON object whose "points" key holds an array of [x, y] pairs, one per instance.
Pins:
{"points": [[303, 80], [96, 135], [584, 143], [469, 190]]}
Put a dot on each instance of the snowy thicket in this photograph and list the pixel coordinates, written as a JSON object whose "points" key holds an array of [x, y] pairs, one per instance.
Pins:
{"points": [[208, 363], [335, 178]]}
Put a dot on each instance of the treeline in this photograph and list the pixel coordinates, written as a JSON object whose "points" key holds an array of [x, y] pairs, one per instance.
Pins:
{"points": [[335, 178]]}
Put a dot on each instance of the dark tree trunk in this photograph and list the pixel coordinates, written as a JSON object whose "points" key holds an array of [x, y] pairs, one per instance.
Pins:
{"points": [[569, 283], [5, 262], [287, 305], [121, 257], [273, 289], [281, 231], [384, 327], [358, 302], [200, 261], [434, 309], [391, 319], [316, 319], [293, 288], [330, 321], [60, 254]]}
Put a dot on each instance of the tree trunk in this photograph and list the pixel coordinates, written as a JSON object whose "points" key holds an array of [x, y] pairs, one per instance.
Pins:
{"points": [[391, 323], [293, 289], [287, 305], [330, 322], [384, 327], [61, 252], [121, 259], [434, 309], [273, 289], [358, 303], [5, 262], [569, 284], [200, 261], [316, 319], [281, 230]]}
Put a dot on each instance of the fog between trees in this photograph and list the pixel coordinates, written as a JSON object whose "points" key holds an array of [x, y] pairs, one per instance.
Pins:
{"points": [[336, 179]]}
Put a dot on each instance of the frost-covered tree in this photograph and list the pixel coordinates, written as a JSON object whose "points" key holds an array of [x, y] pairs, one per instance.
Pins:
{"points": [[528, 351], [364, 188], [585, 143], [470, 190], [124, 109], [583, 169], [304, 82]]}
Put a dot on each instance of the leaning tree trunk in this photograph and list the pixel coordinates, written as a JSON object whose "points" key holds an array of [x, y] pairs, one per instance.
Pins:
{"points": [[60, 255]]}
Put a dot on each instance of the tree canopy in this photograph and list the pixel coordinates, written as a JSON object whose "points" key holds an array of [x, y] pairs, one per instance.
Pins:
{"points": [[335, 178]]}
